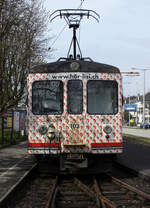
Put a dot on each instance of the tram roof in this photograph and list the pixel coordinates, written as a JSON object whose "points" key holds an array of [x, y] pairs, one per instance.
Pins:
{"points": [[74, 66]]}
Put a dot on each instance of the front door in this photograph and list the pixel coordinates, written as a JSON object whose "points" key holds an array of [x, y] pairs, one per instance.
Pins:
{"points": [[73, 122]]}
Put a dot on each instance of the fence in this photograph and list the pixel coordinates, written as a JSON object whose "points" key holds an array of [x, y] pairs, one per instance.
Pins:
{"points": [[12, 125]]}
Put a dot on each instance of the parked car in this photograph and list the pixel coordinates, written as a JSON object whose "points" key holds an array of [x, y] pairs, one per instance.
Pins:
{"points": [[138, 124], [145, 125]]}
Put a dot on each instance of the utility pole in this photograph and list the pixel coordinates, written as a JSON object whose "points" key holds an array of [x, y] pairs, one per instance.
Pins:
{"points": [[128, 102], [131, 74], [144, 70]]}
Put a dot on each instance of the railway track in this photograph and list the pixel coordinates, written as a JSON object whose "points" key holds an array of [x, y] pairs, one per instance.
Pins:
{"points": [[104, 192], [71, 193], [121, 194]]}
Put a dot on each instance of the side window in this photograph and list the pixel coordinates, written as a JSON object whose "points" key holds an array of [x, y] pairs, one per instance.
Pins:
{"points": [[75, 97]]}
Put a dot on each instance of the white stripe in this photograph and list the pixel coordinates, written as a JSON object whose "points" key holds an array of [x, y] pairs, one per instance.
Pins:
{"points": [[11, 168]]}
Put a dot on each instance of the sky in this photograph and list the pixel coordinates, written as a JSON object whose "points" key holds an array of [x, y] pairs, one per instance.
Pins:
{"points": [[121, 38]]}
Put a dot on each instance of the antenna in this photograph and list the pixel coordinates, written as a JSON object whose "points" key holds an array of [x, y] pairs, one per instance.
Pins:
{"points": [[73, 18]]}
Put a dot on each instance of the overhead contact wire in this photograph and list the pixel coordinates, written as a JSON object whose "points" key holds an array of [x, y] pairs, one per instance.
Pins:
{"points": [[79, 7], [58, 36]]}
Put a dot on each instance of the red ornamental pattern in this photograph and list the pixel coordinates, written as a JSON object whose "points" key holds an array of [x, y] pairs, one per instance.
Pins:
{"points": [[91, 127]]}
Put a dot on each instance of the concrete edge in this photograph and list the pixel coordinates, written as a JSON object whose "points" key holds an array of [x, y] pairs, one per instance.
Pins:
{"points": [[4, 200], [141, 174]]}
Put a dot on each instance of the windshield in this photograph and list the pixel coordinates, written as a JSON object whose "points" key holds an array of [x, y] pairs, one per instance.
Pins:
{"points": [[75, 96], [47, 97], [102, 97]]}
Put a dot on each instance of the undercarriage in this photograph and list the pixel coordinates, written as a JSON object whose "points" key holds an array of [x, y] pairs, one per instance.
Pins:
{"points": [[75, 163]]}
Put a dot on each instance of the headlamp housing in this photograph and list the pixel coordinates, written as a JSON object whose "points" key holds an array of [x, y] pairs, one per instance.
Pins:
{"points": [[107, 129], [43, 129]]}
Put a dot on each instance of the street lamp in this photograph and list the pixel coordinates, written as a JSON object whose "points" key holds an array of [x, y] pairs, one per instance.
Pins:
{"points": [[131, 74], [128, 96], [144, 70]]}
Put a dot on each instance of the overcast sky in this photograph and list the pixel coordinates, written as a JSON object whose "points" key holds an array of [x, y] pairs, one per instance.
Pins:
{"points": [[121, 38]]}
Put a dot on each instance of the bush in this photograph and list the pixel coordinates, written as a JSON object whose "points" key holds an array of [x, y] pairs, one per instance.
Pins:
{"points": [[16, 138]]}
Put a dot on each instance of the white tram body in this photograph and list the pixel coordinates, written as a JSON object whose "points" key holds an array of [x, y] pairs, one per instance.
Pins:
{"points": [[75, 108]]}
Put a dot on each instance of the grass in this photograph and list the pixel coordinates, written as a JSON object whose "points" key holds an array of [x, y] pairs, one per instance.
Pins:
{"points": [[136, 138], [7, 138], [133, 127], [130, 127]]}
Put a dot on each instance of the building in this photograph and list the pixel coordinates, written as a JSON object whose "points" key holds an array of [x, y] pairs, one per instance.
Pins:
{"points": [[137, 116]]}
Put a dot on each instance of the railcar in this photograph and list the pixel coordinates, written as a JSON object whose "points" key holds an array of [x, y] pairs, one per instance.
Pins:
{"points": [[75, 111], [75, 114]]}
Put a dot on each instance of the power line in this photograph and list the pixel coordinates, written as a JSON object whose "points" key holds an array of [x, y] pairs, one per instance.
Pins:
{"points": [[80, 6], [58, 36]]}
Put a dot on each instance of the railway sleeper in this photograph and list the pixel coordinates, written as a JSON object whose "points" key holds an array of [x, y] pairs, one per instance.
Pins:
{"points": [[84, 204], [72, 193], [74, 198]]}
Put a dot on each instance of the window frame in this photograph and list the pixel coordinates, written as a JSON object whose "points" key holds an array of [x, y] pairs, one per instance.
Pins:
{"points": [[116, 97], [80, 113], [49, 113]]}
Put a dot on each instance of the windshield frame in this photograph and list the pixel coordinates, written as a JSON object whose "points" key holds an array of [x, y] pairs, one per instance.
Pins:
{"points": [[62, 98], [117, 101]]}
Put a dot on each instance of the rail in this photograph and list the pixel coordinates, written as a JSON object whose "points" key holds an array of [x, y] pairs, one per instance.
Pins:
{"points": [[107, 193]]}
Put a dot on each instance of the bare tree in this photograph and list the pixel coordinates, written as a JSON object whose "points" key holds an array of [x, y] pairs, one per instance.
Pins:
{"points": [[23, 24]]}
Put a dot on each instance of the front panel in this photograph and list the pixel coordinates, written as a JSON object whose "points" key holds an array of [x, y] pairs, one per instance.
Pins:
{"points": [[75, 108]]}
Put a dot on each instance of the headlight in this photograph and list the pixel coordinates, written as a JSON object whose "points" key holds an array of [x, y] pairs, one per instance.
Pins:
{"points": [[51, 132], [43, 130], [107, 129]]}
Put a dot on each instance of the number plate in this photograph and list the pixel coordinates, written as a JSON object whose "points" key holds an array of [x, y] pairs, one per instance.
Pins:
{"points": [[74, 126]]}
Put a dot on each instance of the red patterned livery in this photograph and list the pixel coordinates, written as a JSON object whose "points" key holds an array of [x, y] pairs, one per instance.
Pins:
{"points": [[75, 113]]}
